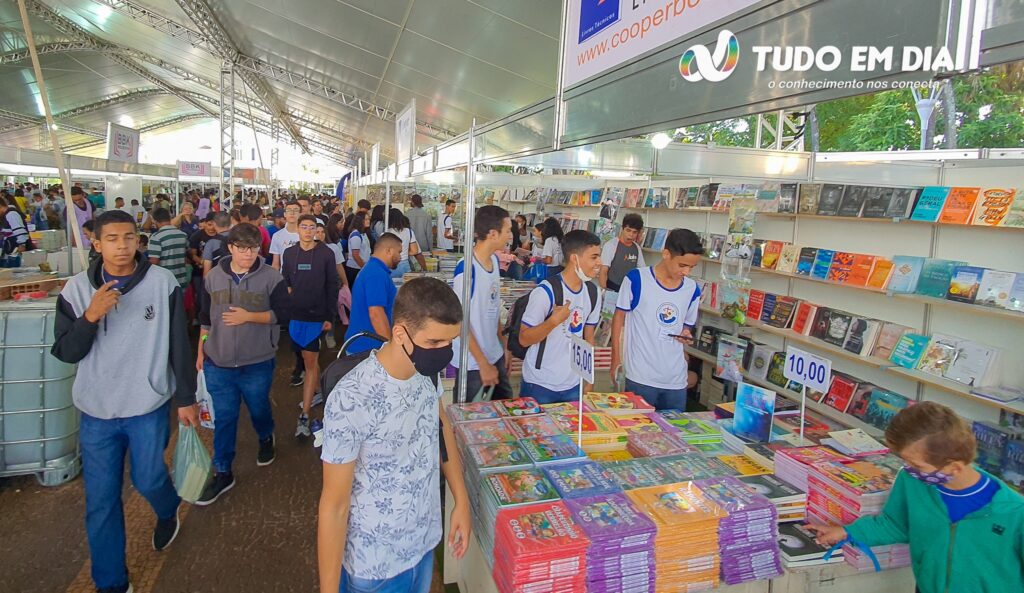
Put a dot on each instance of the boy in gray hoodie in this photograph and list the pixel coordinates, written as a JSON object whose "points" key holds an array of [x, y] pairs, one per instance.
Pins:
{"points": [[123, 322], [238, 345]]}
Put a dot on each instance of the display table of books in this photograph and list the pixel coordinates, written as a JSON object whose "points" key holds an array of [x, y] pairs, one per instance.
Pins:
{"points": [[648, 513]]}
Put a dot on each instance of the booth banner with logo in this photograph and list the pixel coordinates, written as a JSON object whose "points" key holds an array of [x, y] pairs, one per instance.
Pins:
{"points": [[405, 134], [122, 143], [194, 169], [602, 34]]}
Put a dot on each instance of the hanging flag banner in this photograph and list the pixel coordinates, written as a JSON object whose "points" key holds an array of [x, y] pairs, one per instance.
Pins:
{"points": [[122, 143], [405, 134], [194, 169]]}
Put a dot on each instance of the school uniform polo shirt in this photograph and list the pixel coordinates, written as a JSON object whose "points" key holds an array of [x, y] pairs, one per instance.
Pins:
{"points": [[373, 288]]}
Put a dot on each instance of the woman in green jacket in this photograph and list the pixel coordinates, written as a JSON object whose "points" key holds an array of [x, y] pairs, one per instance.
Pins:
{"points": [[965, 527]]}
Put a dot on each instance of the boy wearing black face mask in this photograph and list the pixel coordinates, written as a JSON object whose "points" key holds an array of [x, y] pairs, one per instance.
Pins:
{"points": [[381, 454]]}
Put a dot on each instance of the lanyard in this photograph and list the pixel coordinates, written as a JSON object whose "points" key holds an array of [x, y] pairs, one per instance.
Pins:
{"points": [[866, 549]]}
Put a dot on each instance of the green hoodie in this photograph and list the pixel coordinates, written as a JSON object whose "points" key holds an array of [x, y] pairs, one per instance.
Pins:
{"points": [[982, 553]]}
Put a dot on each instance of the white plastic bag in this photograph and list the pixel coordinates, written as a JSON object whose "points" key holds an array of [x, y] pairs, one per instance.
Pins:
{"points": [[191, 464], [205, 401]]}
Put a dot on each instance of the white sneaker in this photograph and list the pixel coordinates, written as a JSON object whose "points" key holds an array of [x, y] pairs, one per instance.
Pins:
{"points": [[302, 428]]}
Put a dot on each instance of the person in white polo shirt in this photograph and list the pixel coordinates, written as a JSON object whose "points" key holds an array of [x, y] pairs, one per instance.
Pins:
{"points": [[658, 306], [560, 308]]}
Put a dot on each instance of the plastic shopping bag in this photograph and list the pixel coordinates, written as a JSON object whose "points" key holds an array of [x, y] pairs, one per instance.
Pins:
{"points": [[205, 401], [191, 464], [538, 272]]}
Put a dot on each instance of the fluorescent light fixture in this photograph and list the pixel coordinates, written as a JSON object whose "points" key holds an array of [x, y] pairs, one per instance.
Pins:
{"points": [[584, 157], [661, 140], [612, 174]]}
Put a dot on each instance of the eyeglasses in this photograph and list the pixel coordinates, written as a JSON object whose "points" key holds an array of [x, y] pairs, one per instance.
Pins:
{"points": [[306, 227], [246, 250], [292, 210]]}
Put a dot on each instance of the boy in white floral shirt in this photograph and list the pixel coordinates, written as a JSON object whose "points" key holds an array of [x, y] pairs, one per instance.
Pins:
{"points": [[380, 508]]}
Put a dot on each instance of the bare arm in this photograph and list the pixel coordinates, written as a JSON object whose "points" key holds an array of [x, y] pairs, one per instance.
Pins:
{"points": [[379, 320], [332, 523], [207, 266], [618, 321], [342, 275], [276, 262], [357, 256], [602, 278], [461, 525]]}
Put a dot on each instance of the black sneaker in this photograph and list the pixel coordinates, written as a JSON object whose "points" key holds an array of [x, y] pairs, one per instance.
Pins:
{"points": [[297, 377], [218, 484], [122, 589], [164, 533], [266, 454]]}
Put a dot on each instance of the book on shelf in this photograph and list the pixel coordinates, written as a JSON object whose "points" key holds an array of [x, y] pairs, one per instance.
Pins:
{"points": [[842, 265], [787, 258], [939, 355], [732, 300], [707, 195], [881, 272], [906, 273], [768, 197], [935, 277], [840, 392], [992, 442], [768, 308], [995, 287], [883, 406], [724, 197], [862, 335], [716, 244], [782, 313], [687, 197], [930, 203], [860, 269], [830, 198], [959, 206], [772, 252], [760, 359], [805, 262], [809, 196], [728, 360], [972, 364], [999, 393], [819, 326], [965, 284], [876, 202], [909, 349], [838, 327], [803, 317], [902, 202], [756, 251], [755, 304], [822, 263], [853, 200], [708, 340], [1012, 468], [993, 205], [860, 400], [649, 235], [659, 239], [787, 198]]}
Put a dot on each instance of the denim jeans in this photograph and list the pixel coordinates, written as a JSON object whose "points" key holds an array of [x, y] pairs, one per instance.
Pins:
{"points": [[228, 387], [503, 390], [104, 444], [543, 395], [661, 399], [403, 268], [415, 580]]}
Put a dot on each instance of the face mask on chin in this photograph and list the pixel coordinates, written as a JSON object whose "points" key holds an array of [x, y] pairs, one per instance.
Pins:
{"points": [[580, 273]]}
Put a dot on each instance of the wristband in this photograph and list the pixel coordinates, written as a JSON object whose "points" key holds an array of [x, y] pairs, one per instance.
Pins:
{"points": [[204, 338]]}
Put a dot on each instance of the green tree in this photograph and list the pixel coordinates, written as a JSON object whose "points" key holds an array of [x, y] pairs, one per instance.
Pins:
{"points": [[728, 132]]}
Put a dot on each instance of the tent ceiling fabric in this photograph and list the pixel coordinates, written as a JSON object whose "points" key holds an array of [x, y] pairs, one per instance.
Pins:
{"points": [[459, 59]]}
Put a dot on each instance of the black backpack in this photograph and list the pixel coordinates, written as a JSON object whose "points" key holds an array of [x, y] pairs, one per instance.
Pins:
{"points": [[515, 319]]}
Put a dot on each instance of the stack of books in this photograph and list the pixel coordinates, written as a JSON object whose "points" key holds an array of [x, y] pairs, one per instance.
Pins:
{"points": [[747, 537], [694, 428], [502, 490], [600, 431], [792, 465], [686, 548], [892, 556], [472, 411], [581, 479], [790, 503], [539, 548], [694, 467], [656, 444], [744, 465], [638, 473], [644, 422], [551, 449], [616, 403], [476, 432], [855, 443], [798, 547], [763, 454], [524, 406], [621, 556], [539, 425]]}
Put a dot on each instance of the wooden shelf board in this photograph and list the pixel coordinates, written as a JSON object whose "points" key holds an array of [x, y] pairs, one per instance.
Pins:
{"points": [[965, 307], [887, 220], [817, 344]]}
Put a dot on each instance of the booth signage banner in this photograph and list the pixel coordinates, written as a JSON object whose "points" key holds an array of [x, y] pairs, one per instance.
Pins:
{"points": [[122, 143], [375, 158], [194, 169], [405, 133], [602, 34]]}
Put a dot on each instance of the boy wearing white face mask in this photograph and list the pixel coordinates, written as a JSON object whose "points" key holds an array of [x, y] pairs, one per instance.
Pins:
{"points": [[560, 308]]}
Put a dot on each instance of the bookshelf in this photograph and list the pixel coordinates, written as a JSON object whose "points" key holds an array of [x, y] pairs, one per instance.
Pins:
{"points": [[858, 219], [967, 308]]}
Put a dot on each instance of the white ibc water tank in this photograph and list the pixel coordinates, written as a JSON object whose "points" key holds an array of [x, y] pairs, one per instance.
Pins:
{"points": [[38, 421]]}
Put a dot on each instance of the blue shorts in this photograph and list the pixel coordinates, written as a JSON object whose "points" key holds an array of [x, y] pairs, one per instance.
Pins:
{"points": [[305, 335], [543, 395]]}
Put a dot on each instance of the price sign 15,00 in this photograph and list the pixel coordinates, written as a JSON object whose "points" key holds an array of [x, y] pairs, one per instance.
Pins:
{"points": [[814, 372], [582, 359]]}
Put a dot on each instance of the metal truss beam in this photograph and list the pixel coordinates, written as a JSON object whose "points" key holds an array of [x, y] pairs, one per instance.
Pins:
{"points": [[20, 55], [110, 101], [27, 121], [146, 128], [227, 131], [142, 14], [784, 132]]}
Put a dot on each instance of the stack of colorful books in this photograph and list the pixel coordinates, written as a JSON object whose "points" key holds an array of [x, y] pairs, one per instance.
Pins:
{"points": [[621, 557], [656, 444], [696, 428], [799, 547], [694, 466], [581, 479], [551, 449], [638, 473], [616, 404], [601, 433], [747, 538], [502, 490], [790, 503], [539, 548], [792, 465]]}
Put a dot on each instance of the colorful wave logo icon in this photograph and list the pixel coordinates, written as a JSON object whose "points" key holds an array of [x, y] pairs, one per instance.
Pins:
{"points": [[698, 63]]}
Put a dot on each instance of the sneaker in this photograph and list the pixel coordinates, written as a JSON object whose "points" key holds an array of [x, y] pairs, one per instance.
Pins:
{"points": [[164, 533], [297, 378], [122, 589], [266, 455], [318, 398], [219, 484], [329, 338], [302, 428], [317, 428]]}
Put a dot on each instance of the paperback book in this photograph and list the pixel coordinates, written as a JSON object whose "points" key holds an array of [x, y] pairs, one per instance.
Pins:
{"points": [[729, 359], [551, 449], [805, 263], [876, 202], [581, 479], [993, 206], [519, 487], [787, 198], [959, 207], [810, 193], [930, 203], [995, 287], [902, 202], [854, 200], [883, 407], [830, 198], [755, 408], [822, 263], [906, 273], [936, 276], [788, 258], [881, 272], [909, 350]]}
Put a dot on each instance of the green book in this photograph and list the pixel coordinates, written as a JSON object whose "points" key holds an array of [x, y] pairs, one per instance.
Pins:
{"points": [[909, 350], [935, 277]]}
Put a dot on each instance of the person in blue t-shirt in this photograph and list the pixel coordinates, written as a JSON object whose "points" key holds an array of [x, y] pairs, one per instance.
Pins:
{"points": [[373, 295]]}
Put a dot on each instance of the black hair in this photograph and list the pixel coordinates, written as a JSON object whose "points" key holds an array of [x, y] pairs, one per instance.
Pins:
{"points": [[550, 229], [209, 217], [144, 240], [356, 222], [333, 234], [633, 221], [387, 240], [135, 202], [488, 218], [250, 211], [77, 191], [397, 220], [683, 242], [416, 200], [162, 215], [577, 241], [377, 214], [90, 225], [112, 217], [306, 218], [118, 198], [426, 299], [245, 235], [515, 234], [364, 204], [292, 203], [450, 202], [221, 220]]}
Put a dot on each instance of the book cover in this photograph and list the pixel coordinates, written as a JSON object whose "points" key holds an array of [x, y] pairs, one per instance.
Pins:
{"points": [[759, 361], [803, 319], [742, 216], [676, 505], [772, 252], [862, 335], [616, 403], [755, 303], [972, 363], [769, 307], [733, 300], [611, 518], [861, 269], [724, 197], [883, 406], [553, 448], [860, 400], [687, 197], [716, 244], [838, 327], [782, 314], [788, 258], [959, 207], [787, 198], [906, 273], [525, 486], [744, 465], [881, 272], [830, 198], [524, 406], [638, 473], [659, 239], [775, 370], [603, 456], [797, 543], [472, 411], [642, 422], [995, 287], [822, 263], [708, 340], [756, 251], [935, 277], [819, 327], [768, 197], [993, 205], [909, 349], [539, 425], [683, 468], [842, 265], [805, 263], [854, 199], [484, 431], [772, 488], [755, 407], [539, 529], [657, 444], [992, 442], [706, 195], [581, 479], [493, 455], [876, 202], [965, 283], [902, 202], [930, 203], [728, 361], [809, 196], [1012, 468], [840, 392]]}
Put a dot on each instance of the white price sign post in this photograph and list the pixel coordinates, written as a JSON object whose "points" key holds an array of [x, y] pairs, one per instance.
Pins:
{"points": [[581, 357], [811, 371]]}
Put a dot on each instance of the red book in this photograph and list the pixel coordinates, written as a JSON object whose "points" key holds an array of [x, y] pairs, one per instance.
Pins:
{"points": [[755, 303], [840, 392], [803, 318], [842, 264], [861, 270], [770, 255]]}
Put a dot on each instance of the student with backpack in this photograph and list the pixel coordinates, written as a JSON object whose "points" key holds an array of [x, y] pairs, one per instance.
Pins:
{"points": [[561, 308], [217, 247]]}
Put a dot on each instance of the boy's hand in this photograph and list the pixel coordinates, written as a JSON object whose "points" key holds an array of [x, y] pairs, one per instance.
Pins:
{"points": [[685, 337], [102, 302], [828, 535], [488, 374], [560, 314], [460, 529], [235, 316], [189, 415]]}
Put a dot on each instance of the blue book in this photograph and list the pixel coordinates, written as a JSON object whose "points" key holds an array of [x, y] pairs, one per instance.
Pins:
{"points": [[883, 406], [755, 409], [909, 350], [936, 275], [806, 261], [930, 204], [906, 271], [581, 479], [964, 284], [1012, 468], [768, 307], [822, 262]]}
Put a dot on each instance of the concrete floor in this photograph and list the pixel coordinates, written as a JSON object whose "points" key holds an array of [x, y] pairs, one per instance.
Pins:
{"points": [[259, 537]]}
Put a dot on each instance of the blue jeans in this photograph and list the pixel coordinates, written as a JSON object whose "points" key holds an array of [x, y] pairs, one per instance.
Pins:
{"points": [[543, 395], [403, 268], [228, 387], [661, 399], [104, 444], [415, 580]]}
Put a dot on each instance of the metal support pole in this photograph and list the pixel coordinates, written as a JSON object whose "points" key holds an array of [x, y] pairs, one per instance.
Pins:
{"points": [[387, 200], [227, 133], [275, 153], [559, 95], [74, 232], [469, 238]]}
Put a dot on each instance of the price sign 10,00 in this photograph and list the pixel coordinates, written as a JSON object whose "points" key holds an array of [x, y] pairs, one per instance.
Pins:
{"points": [[814, 372]]}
